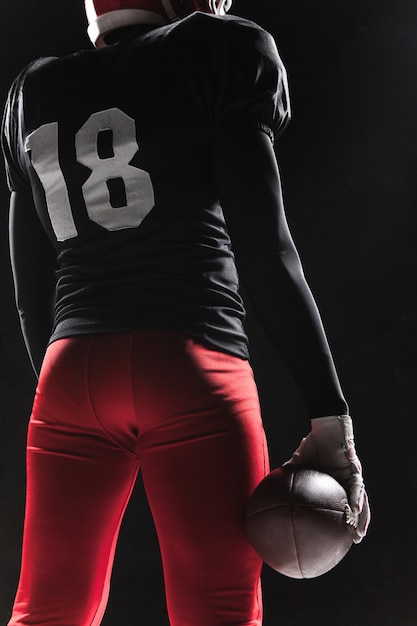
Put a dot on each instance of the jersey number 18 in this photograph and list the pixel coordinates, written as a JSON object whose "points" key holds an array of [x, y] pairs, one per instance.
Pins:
{"points": [[139, 194]]}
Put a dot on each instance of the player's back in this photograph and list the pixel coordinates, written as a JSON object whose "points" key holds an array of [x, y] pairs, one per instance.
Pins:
{"points": [[119, 142]]}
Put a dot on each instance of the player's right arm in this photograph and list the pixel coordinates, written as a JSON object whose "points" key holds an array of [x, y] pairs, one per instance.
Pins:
{"points": [[33, 266], [247, 179], [248, 183], [255, 109]]}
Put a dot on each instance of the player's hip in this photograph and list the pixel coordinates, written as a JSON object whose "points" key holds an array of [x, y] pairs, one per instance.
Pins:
{"points": [[127, 385]]}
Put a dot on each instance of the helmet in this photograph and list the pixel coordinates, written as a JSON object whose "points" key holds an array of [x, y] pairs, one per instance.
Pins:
{"points": [[105, 16]]}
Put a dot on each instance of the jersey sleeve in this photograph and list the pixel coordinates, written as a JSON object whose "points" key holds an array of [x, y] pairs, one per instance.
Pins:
{"points": [[254, 82], [11, 137], [13, 131]]}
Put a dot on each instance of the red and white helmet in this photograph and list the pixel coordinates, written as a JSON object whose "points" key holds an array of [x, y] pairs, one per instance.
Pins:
{"points": [[104, 16]]}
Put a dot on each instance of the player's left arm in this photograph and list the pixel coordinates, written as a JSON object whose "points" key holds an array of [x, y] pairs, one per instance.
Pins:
{"points": [[33, 262]]}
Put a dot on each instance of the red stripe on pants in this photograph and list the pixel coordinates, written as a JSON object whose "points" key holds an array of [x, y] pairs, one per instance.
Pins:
{"points": [[189, 418]]}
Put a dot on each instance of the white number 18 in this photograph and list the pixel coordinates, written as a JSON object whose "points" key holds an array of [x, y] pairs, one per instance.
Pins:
{"points": [[43, 144]]}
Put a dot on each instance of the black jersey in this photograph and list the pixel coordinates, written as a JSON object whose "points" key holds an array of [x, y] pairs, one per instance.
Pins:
{"points": [[115, 144]]}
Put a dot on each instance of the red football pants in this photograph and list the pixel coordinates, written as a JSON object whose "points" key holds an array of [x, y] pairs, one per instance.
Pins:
{"points": [[189, 418]]}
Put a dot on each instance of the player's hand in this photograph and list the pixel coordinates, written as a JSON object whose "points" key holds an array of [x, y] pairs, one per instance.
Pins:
{"points": [[330, 448]]}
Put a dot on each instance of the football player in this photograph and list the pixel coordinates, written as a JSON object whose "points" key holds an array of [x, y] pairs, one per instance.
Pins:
{"points": [[143, 182]]}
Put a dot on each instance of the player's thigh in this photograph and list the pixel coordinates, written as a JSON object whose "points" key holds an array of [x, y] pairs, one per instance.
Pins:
{"points": [[199, 467], [78, 484]]}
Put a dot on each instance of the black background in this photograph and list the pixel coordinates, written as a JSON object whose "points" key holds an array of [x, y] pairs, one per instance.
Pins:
{"points": [[348, 165]]}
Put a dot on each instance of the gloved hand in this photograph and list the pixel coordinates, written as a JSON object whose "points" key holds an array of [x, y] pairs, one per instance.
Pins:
{"points": [[330, 448]]}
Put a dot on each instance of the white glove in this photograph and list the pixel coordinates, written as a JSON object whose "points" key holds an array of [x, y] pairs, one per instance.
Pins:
{"points": [[330, 448]]}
